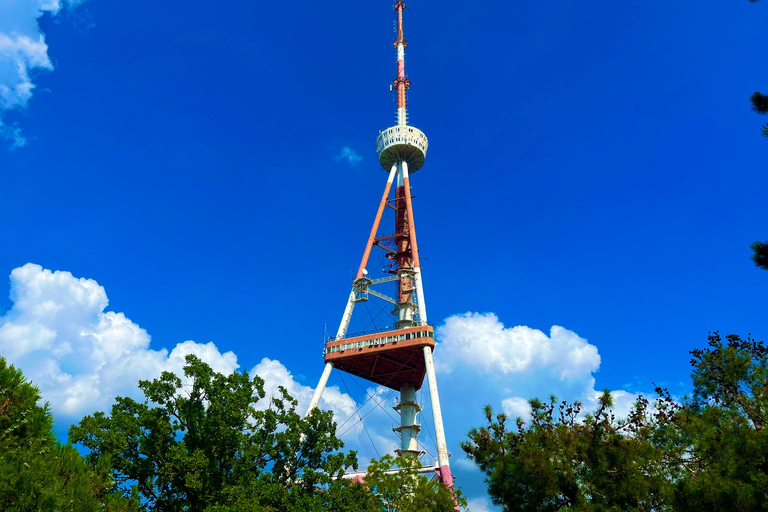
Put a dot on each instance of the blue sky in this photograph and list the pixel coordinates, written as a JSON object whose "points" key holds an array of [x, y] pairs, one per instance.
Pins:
{"points": [[212, 166]]}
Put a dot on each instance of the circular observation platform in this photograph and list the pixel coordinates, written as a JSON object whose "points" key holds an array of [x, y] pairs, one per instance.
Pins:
{"points": [[402, 144]]}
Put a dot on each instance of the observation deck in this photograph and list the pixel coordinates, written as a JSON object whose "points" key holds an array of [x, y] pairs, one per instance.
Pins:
{"points": [[388, 358], [402, 143]]}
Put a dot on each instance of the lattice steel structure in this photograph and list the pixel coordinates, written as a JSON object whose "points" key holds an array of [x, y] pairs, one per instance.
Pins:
{"points": [[398, 358]]}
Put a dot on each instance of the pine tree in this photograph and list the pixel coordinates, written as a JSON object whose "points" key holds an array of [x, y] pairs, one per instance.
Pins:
{"points": [[760, 102], [760, 105], [760, 253], [37, 473]]}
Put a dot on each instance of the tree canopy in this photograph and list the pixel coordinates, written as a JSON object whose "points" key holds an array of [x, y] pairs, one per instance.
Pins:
{"points": [[36, 472], [219, 444], [760, 101], [760, 254], [407, 490], [705, 452], [760, 105]]}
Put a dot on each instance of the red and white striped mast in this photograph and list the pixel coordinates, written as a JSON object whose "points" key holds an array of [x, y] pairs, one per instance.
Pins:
{"points": [[400, 358], [401, 83]]}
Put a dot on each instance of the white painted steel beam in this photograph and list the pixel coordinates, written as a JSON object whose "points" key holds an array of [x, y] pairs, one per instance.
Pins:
{"points": [[320, 387], [347, 315], [420, 297], [362, 474], [437, 415]]}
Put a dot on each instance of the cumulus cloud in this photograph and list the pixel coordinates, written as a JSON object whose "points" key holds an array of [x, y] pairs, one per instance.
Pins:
{"points": [[479, 505], [23, 51], [80, 355], [349, 155], [60, 333], [482, 341], [481, 361], [516, 407], [521, 362], [275, 374]]}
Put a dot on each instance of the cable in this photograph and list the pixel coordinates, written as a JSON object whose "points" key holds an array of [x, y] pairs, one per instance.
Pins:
{"points": [[361, 418], [341, 374], [373, 318], [426, 449], [371, 396], [384, 385], [427, 424]]}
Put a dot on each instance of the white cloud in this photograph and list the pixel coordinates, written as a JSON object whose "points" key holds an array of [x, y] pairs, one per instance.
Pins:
{"points": [[509, 365], [350, 155], [519, 363], [481, 340], [514, 364], [61, 335], [23, 51], [516, 407], [465, 464], [80, 355], [479, 505], [275, 374], [13, 134], [481, 361]]}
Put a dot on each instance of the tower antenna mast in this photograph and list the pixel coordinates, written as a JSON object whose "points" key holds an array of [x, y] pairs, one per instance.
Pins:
{"points": [[401, 83]]}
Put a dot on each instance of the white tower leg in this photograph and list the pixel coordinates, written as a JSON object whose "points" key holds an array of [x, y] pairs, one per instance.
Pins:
{"points": [[347, 315], [442, 448], [420, 297], [320, 388]]}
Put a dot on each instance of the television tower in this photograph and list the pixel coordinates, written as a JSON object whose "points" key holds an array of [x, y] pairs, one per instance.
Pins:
{"points": [[397, 358]]}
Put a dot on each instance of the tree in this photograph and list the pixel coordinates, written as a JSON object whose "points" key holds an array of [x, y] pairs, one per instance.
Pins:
{"points": [[725, 424], [707, 452], [38, 473], [217, 444], [406, 490], [760, 105], [760, 101], [565, 460], [760, 254]]}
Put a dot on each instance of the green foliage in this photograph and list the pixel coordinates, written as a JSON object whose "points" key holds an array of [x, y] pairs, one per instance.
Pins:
{"points": [[760, 249], [36, 472], [725, 424], [406, 490], [215, 445], [760, 105], [566, 460], [211, 446], [707, 453]]}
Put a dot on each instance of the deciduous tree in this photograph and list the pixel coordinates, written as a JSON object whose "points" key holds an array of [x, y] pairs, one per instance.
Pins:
{"points": [[406, 490], [219, 444]]}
